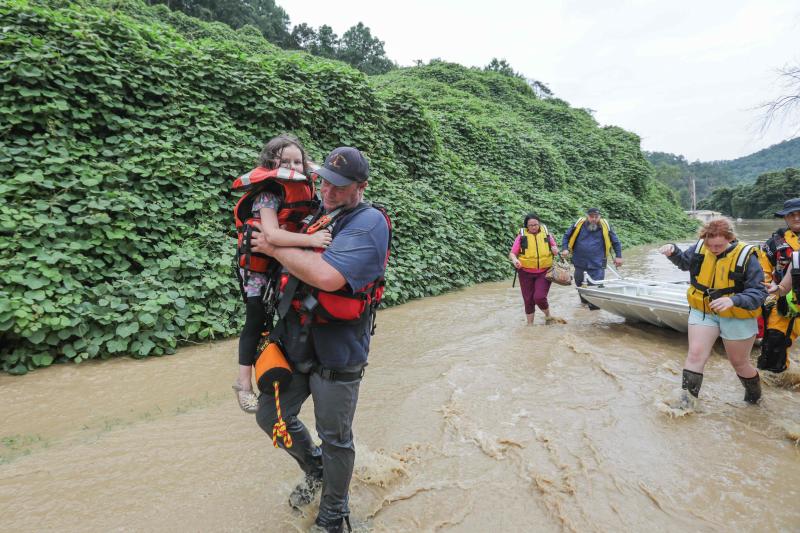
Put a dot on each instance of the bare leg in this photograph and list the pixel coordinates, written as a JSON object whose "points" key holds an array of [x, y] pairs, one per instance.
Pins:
{"points": [[529, 318], [244, 379], [701, 341], [243, 387], [739, 356]]}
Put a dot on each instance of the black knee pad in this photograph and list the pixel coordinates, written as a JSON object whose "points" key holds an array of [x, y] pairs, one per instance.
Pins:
{"points": [[774, 348]]}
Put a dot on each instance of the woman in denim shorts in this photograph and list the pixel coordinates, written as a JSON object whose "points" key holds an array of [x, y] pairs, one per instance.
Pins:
{"points": [[725, 297]]}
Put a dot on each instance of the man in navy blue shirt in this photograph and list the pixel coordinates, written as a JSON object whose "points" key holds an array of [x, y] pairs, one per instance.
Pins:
{"points": [[590, 240], [328, 353]]}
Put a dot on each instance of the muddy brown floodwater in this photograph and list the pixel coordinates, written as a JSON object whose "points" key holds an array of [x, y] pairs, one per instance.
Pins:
{"points": [[468, 421]]}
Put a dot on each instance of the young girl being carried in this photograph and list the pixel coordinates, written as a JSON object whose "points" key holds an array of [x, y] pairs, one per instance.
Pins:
{"points": [[268, 205]]}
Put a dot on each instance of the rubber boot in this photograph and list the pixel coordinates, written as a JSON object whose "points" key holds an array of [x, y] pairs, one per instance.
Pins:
{"points": [[691, 382], [752, 388]]}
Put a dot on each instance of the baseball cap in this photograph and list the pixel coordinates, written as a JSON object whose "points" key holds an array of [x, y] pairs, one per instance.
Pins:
{"points": [[343, 166]]}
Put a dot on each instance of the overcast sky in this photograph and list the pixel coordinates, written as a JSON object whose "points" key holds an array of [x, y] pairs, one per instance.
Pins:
{"points": [[686, 76]]}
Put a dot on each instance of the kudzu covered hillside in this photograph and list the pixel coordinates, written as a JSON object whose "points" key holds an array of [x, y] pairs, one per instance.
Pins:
{"points": [[123, 125]]}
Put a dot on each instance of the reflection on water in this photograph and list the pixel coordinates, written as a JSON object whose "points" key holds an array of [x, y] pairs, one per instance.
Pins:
{"points": [[468, 421]]}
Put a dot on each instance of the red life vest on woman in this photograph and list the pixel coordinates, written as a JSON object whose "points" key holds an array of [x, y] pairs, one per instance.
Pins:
{"points": [[297, 197]]}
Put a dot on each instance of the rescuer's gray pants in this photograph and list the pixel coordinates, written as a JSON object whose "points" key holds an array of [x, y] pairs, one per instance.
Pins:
{"points": [[334, 408]]}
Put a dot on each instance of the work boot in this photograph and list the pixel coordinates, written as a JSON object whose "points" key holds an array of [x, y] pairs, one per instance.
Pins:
{"points": [[752, 388], [334, 527], [305, 491], [691, 382]]}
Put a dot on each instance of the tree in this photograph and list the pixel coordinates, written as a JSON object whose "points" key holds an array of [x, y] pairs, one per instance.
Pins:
{"points": [[304, 37], [327, 43], [365, 52], [501, 66], [786, 107], [540, 89], [265, 15], [357, 46]]}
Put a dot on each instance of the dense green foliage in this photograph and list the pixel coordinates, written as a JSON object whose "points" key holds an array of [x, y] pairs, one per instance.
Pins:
{"points": [[265, 15], [759, 200], [123, 126], [674, 171], [357, 47]]}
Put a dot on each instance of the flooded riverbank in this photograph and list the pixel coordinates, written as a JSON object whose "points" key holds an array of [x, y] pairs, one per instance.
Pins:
{"points": [[468, 421]]}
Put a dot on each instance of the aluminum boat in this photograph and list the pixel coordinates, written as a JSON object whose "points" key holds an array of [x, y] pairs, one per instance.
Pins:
{"points": [[655, 302]]}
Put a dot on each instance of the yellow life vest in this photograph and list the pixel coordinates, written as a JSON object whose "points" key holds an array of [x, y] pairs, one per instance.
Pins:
{"points": [[719, 276], [535, 252], [792, 239], [792, 298], [579, 225]]}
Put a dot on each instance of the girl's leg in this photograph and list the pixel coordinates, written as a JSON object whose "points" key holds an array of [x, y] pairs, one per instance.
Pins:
{"points": [[245, 379], [248, 344], [248, 340]]}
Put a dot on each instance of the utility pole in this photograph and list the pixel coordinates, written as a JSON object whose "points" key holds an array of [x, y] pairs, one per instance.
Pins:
{"points": [[693, 193]]}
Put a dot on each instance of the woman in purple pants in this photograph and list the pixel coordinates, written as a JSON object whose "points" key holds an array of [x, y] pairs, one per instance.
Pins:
{"points": [[532, 255]]}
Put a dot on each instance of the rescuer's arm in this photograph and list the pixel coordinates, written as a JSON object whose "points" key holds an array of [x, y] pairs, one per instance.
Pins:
{"points": [[782, 288], [307, 265]]}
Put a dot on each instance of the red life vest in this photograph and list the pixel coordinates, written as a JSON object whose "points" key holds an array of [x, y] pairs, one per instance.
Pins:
{"points": [[343, 306], [296, 193]]}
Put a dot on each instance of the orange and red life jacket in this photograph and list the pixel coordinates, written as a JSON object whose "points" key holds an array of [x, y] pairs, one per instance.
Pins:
{"points": [[297, 196], [343, 306]]}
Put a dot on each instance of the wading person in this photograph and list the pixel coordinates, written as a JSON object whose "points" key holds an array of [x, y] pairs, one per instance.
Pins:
{"points": [[532, 255], [272, 200], [590, 241], [781, 324], [725, 295], [326, 315]]}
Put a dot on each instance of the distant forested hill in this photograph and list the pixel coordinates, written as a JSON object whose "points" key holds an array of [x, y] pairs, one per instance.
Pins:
{"points": [[758, 200], [674, 170]]}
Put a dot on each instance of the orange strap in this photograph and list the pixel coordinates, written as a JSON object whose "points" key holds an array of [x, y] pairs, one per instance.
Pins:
{"points": [[279, 429], [323, 221]]}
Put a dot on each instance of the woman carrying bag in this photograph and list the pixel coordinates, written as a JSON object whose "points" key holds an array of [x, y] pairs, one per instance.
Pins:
{"points": [[532, 255]]}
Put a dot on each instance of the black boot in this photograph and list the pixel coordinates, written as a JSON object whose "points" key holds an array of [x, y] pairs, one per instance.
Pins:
{"points": [[334, 527], [774, 347], [752, 388], [691, 382]]}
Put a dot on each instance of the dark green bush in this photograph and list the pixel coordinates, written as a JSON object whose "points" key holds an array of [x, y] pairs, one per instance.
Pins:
{"points": [[122, 126]]}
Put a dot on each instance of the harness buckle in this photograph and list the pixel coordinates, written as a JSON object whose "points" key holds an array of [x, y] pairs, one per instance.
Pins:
{"points": [[309, 303], [713, 294]]}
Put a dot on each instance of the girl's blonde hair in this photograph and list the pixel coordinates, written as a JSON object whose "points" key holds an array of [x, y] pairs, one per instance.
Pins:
{"points": [[718, 227]]}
